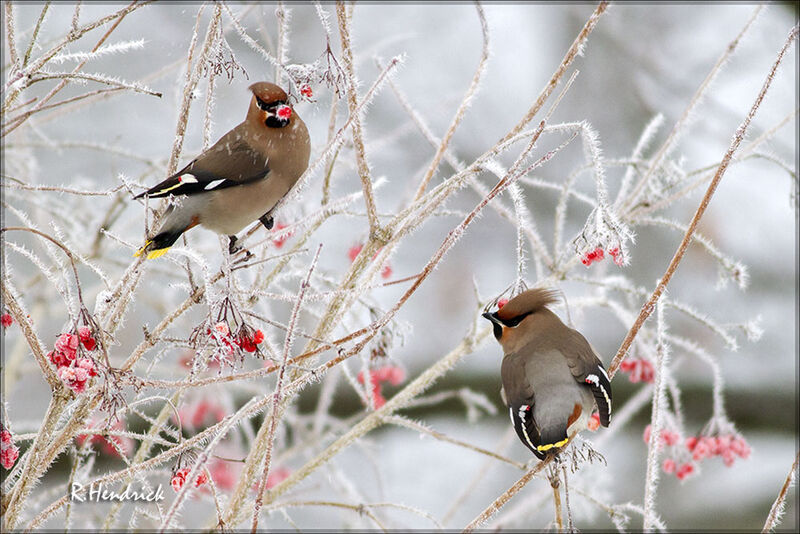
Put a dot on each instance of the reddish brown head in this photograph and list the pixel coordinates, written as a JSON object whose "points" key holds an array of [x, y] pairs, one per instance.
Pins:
{"points": [[520, 307]]}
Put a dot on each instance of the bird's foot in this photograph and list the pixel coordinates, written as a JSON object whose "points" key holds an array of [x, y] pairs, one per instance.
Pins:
{"points": [[234, 249], [245, 258], [267, 221]]}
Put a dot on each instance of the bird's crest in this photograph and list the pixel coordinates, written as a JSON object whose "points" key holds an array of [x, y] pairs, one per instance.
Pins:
{"points": [[528, 302]]}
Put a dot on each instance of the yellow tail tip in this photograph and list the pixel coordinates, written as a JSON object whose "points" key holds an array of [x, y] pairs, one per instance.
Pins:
{"points": [[141, 250], [151, 255], [557, 445]]}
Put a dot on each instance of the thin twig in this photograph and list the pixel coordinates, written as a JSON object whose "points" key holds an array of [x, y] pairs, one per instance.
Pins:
{"points": [[776, 511]]}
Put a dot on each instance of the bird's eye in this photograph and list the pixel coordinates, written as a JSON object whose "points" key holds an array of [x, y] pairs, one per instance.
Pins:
{"points": [[261, 104], [515, 321]]}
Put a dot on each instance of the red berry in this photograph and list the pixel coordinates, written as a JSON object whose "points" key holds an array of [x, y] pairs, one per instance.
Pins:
{"points": [[501, 303], [691, 443], [6, 320], [306, 91], [88, 364], [386, 272], [258, 337], [8, 455], [684, 471], [179, 479], [377, 398], [89, 343], [668, 466], [354, 251], [728, 457], [284, 112], [669, 437], [594, 422], [395, 375]]}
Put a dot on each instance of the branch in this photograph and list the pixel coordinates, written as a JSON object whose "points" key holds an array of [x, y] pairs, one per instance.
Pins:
{"points": [[647, 309], [774, 516], [358, 138]]}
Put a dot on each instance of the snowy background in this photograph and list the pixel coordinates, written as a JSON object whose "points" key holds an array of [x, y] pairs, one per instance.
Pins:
{"points": [[639, 61]]}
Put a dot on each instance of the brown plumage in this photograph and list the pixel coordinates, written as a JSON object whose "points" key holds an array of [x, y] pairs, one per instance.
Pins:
{"points": [[552, 378], [241, 178]]}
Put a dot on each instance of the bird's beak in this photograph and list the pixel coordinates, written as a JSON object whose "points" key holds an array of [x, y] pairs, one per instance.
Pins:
{"points": [[492, 318]]}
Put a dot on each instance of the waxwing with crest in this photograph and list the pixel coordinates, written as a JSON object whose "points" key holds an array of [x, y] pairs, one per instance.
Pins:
{"points": [[552, 378], [241, 178]]}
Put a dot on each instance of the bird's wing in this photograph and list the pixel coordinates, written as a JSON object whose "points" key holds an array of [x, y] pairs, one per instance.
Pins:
{"points": [[520, 402], [587, 369], [230, 162]]}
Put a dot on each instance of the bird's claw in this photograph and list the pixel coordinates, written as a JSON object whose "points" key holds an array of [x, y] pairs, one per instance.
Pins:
{"points": [[245, 258]]}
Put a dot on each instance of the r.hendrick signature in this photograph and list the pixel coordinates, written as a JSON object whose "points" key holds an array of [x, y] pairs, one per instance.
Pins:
{"points": [[98, 494]]}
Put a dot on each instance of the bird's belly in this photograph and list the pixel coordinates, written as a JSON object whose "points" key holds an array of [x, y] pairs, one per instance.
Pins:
{"points": [[556, 392], [231, 209]]}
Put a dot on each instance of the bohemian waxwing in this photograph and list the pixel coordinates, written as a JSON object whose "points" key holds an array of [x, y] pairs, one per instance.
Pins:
{"points": [[552, 379], [241, 178]]}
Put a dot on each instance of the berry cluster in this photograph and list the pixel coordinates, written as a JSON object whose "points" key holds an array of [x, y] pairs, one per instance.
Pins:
{"points": [[246, 339], [701, 447], [392, 374], [355, 250], [306, 91], [640, 370], [6, 320], [74, 371], [598, 254], [729, 446], [179, 478], [8, 451]]}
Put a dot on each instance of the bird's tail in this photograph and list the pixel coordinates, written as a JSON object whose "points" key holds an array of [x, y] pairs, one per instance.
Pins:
{"points": [[159, 244]]}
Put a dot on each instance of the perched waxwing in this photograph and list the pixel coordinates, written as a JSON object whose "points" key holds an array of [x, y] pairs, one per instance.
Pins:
{"points": [[552, 378], [240, 179]]}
